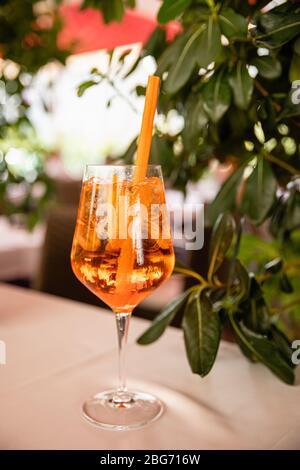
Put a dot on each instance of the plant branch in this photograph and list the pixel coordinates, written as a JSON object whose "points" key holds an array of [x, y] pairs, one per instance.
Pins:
{"points": [[117, 90], [187, 272], [282, 164]]}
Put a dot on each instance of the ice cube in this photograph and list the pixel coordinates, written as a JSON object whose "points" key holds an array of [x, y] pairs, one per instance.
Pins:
{"points": [[86, 236]]}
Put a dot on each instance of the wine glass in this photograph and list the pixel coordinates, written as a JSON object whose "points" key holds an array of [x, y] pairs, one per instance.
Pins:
{"points": [[122, 251]]}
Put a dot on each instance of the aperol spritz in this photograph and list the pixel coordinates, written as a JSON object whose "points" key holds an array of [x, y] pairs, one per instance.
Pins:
{"points": [[122, 251]]}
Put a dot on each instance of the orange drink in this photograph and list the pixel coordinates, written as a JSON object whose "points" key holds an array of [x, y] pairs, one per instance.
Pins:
{"points": [[96, 250]]}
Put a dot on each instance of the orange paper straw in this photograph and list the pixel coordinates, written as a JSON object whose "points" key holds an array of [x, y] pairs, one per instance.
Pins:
{"points": [[145, 139], [126, 258]]}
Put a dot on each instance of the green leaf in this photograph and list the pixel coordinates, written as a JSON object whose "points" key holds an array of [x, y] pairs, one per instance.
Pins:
{"points": [[127, 157], [161, 322], [291, 106], [201, 326], [247, 353], [233, 25], [282, 343], [184, 63], [264, 350], [161, 151], [256, 314], [242, 85], [233, 262], [216, 97], [195, 14], [294, 72], [276, 28], [171, 53], [242, 275], [226, 197], [171, 9], [266, 113], [267, 352], [260, 191], [113, 10], [195, 121], [156, 43], [209, 44], [84, 86], [267, 66], [131, 3], [273, 266], [221, 239], [297, 46], [285, 284], [140, 90], [256, 292]]}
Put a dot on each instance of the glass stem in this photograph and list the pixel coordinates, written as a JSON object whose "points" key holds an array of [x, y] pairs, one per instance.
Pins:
{"points": [[122, 328]]}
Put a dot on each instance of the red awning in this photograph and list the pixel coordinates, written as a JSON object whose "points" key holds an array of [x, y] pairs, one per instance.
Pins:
{"points": [[88, 32]]}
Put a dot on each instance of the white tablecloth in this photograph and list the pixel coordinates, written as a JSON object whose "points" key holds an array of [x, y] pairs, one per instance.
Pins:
{"points": [[59, 352], [19, 251]]}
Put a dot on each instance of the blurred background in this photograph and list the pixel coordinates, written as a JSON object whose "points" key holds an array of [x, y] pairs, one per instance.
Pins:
{"points": [[48, 133]]}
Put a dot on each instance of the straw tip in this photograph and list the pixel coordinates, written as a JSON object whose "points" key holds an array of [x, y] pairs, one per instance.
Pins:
{"points": [[154, 79]]}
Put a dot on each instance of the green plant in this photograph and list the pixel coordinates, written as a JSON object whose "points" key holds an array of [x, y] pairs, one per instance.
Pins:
{"points": [[113, 10], [232, 73], [227, 112], [25, 188], [28, 41], [238, 299]]}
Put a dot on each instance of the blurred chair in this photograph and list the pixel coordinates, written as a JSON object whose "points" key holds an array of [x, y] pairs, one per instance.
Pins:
{"points": [[55, 275], [67, 191]]}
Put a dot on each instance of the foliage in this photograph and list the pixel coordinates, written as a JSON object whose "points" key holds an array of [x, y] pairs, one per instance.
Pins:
{"points": [[29, 33], [207, 72], [113, 10], [238, 301], [25, 188], [232, 73], [28, 41]]}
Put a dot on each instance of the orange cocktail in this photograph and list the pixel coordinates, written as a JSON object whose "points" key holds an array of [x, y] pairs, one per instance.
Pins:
{"points": [[122, 219]]}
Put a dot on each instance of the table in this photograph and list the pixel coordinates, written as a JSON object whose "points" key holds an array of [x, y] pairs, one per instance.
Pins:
{"points": [[19, 251], [59, 352]]}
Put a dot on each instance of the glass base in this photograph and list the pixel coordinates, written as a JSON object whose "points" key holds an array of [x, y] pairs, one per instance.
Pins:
{"points": [[121, 411]]}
